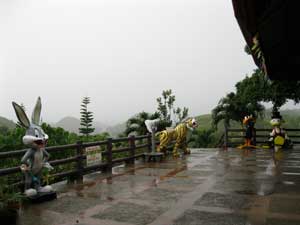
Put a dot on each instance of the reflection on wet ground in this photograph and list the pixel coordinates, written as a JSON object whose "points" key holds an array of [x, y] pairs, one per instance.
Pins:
{"points": [[210, 186]]}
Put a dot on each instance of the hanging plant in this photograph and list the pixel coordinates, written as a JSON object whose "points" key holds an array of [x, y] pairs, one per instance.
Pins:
{"points": [[257, 52]]}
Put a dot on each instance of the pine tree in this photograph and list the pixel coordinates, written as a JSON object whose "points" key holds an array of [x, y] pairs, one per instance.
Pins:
{"points": [[86, 119]]}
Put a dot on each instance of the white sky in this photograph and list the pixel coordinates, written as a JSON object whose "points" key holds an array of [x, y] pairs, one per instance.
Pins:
{"points": [[121, 53]]}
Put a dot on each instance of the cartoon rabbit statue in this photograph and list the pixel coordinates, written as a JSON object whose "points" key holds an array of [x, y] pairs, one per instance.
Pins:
{"points": [[35, 159]]}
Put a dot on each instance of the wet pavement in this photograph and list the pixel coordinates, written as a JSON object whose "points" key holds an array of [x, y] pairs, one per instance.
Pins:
{"points": [[209, 187]]}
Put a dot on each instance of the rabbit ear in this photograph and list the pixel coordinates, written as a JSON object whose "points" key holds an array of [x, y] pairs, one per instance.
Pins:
{"points": [[23, 119], [36, 114]]}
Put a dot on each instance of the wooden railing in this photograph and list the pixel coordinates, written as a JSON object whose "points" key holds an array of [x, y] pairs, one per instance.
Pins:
{"points": [[235, 137], [133, 148]]}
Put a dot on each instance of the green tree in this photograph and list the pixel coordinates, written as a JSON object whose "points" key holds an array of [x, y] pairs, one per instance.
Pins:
{"points": [[279, 92], [257, 88], [233, 107], [252, 89], [86, 119], [165, 105], [136, 124], [225, 110], [251, 92]]}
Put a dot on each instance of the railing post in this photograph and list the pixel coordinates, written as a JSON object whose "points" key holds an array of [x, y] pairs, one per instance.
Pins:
{"points": [[109, 155], [132, 149], [149, 141], [225, 135], [80, 166]]}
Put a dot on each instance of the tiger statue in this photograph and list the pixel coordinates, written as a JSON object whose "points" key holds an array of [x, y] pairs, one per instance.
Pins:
{"points": [[179, 134]]}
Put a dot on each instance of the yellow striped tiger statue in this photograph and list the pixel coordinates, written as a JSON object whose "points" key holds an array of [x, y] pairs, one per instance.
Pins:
{"points": [[179, 134]]}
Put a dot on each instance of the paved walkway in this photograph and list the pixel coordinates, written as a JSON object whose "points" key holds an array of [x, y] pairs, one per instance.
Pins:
{"points": [[209, 187]]}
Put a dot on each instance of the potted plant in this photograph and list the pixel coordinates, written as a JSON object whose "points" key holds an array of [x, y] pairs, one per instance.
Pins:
{"points": [[10, 201]]}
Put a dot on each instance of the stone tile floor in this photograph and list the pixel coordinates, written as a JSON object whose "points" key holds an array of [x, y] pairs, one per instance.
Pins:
{"points": [[209, 187]]}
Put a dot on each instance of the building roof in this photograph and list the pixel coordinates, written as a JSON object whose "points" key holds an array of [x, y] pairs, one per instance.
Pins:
{"points": [[275, 24]]}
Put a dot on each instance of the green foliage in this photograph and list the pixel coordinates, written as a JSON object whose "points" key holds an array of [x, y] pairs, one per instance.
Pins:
{"points": [[258, 88], [166, 110], [98, 137], [9, 195], [59, 136], [252, 89], [234, 107], [4, 130], [279, 92], [256, 49], [86, 119], [136, 124], [203, 139], [250, 93], [165, 105], [12, 140]]}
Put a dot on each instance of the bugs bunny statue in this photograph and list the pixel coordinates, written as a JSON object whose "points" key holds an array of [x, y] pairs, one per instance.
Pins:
{"points": [[35, 159]]}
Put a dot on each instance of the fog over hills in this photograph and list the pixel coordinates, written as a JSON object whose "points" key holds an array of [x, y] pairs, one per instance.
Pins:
{"points": [[71, 124], [4, 122]]}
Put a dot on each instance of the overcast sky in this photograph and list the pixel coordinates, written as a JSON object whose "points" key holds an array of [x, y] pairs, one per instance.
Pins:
{"points": [[121, 53]]}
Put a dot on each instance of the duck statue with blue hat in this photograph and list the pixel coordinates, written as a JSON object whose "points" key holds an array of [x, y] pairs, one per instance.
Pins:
{"points": [[278, 137]]}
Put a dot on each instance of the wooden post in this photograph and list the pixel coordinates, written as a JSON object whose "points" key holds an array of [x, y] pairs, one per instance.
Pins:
{"points": [[149, 141], [80, 164], [225, 135], [132, 149], [109, 155]]}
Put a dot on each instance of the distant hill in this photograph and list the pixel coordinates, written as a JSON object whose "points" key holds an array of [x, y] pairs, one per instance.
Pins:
{"points": [[69, 123], [114, 131], [7, 123], [204, 121], [72, 124], [99, 127]]}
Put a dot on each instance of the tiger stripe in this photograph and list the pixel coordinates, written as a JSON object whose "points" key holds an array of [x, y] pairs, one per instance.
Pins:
{"points": [[178, 134]]}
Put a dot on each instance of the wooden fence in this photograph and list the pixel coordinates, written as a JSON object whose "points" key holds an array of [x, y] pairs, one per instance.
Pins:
{"points": [[235, 137], [133, 150]]}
